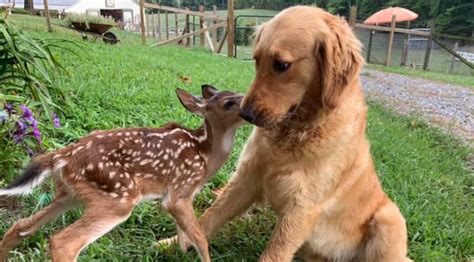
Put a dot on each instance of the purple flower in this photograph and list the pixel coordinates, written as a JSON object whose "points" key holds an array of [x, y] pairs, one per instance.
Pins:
{"points": [[17, 138], [37, 135], [56, 121], [20, 131], [8, 108], [27, 113], [21, 126]]}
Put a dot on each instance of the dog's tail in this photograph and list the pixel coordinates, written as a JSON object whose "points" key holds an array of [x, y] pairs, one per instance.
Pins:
{"points": [[34, 174]]}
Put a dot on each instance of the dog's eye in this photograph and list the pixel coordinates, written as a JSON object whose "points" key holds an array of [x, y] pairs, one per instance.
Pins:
{"points": [[280, 66], [228, 105]]}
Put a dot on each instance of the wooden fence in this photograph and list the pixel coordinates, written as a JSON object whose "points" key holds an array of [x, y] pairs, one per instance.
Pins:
{"points": [[169, 25]]}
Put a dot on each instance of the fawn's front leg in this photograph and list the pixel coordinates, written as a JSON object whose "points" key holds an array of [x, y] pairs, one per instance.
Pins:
{"points": [[183, 213], [237, 196]]}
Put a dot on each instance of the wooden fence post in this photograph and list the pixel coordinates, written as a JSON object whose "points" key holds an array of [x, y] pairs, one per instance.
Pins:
{"points": [[147, 23], [201, 25], [353, 17], [176, 24], [47, 14], [429, 45], [405, 47], [230, 28], [390, 40], [142, 22], [187, 29], [153, 28], [214, 32], [167, 25], [453, 61], [369, 47], [159, 25]]}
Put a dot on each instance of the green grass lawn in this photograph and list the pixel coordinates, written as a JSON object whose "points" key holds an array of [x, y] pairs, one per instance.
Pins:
{"points": [[128, 85]]}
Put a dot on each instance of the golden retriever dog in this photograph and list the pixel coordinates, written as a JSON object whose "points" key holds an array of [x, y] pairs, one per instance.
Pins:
{"points": [[309, 156]]}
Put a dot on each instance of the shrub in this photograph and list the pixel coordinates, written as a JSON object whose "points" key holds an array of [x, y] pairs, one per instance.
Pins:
{"points": [[89, 19], [20, 11]]}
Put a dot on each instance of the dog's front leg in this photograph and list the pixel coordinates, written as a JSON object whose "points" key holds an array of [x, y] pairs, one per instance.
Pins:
{"points": [[290, 233], [243, 189]]}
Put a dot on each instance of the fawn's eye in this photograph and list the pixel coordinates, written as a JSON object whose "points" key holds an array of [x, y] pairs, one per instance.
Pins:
{"points": [[280, 66], [228, 105]]}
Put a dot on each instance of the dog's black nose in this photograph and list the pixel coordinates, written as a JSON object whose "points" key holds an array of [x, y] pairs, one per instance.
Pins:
{"points": [[247, 114]]}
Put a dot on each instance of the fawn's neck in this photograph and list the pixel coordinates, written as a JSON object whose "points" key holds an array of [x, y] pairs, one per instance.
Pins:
{"points": [[216, 144]]}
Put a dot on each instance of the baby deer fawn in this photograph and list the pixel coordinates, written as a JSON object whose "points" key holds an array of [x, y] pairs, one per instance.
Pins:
{"points": [[110, 172]]}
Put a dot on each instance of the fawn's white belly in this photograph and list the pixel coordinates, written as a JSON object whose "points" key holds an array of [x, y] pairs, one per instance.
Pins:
{"points": [[151, 197]]}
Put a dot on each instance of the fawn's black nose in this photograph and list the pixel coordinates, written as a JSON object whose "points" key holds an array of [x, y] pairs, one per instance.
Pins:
{"points": [[247, 114]]}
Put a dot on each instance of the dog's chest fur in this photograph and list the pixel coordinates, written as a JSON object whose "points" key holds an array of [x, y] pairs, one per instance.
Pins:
{"points": [[308, 180]]}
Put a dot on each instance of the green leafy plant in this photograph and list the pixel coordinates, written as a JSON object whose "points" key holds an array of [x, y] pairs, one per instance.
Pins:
{"points": [[28, 67], [89, 19]]}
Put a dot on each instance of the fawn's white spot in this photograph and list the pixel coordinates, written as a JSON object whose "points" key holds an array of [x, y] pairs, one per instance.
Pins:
{"points": [[24, 234], [114, 195]]}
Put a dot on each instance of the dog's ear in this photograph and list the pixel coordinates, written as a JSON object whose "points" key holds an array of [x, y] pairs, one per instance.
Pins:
{"points": [[339, 59]]}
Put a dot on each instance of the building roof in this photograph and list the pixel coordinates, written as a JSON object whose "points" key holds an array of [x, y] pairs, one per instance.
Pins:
{"points": [[84, 5], [38, 4]]}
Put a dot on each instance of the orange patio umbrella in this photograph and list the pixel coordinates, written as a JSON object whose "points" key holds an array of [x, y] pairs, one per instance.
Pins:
{"points": [[384, 16]]}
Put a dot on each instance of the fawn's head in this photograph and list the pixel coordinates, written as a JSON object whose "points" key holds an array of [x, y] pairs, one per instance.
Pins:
{"points": [[220, 108]]}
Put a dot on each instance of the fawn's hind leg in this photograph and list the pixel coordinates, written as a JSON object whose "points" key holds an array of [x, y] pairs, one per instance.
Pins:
{"points": [[23, 228], [183, 213], [28, 226], [99, 218]]}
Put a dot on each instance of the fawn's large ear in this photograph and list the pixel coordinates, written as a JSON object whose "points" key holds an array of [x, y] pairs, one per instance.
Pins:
{"points": [[208, 91], [191, 103]]}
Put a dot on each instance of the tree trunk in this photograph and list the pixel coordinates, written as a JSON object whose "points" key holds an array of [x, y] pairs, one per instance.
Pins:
{"points": [[29, 5]]}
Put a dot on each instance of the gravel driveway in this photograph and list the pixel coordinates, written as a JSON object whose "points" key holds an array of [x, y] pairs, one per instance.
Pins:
{"points": [[448, 107]]}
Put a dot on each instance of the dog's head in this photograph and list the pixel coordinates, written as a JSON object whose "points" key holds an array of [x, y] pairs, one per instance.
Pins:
{"points": [[305, 57]]}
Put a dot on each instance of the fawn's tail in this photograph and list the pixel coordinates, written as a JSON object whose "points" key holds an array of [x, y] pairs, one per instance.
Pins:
{"points": [[34, 174]]}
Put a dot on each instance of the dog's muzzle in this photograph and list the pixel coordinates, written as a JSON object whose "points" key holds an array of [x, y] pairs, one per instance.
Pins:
{"points": [[247, 113]]}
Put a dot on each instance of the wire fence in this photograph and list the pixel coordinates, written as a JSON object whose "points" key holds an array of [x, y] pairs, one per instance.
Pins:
{"points": [[407, 50], [410, 51]]}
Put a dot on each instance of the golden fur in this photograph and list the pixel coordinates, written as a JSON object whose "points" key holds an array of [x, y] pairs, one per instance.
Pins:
{"points": [[309, 156]]}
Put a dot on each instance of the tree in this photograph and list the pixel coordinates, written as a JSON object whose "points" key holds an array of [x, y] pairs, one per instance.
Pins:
{"points": [[29, 5]]}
